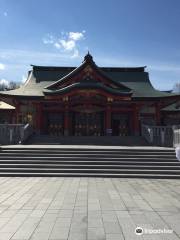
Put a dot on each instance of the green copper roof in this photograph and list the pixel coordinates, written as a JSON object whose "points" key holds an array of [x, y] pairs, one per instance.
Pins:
{"points": [[175, 107], [87, 85], [134, 79]]}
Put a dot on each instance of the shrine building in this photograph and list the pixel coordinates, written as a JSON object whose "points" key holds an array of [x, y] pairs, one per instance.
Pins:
{"points": [[90, 101]]}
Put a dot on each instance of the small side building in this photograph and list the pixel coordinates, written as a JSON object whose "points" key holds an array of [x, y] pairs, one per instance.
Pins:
{"points": [[7, 113]]}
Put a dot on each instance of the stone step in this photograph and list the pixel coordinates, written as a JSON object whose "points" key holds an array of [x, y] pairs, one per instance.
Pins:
{"points": [[87, 149], [95, 170], [89, 166], [54, 154], [59, 161], [97, 175], [83, 158], [102, 162]]}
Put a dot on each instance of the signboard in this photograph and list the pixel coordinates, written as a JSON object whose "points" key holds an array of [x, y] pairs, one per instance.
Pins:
{"points": [[109, 131]]}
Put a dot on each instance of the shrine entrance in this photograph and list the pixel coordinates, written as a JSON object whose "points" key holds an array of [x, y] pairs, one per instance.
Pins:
{"points": [[121, 124], [88, 124], [55, 124]]}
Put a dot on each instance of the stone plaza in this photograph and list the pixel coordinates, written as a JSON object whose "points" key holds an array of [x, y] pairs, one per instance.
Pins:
{"points": [[44, 208]]}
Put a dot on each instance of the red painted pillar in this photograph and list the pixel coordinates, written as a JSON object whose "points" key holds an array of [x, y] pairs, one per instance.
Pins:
{"points": [[17, 113], [108, 120], [39, 117], [157, 114], [136, 120], [66, 120]]}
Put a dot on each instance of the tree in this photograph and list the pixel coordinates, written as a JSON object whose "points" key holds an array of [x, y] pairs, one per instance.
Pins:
{"points": [[6, 85], [13, 85]]}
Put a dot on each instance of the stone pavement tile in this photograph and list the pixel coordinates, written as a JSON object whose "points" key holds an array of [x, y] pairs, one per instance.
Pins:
{"points": [[49, 218], [96, 234], [13, 225], [79, 217], [97, 208], [94, 207], [173, 221], [118, 204], [26, 229], [153, 237], [95, 223], [3, 221], [127, 225], [65, 213], [78, 227], [114, 236], [40, 236], [52, 211], [37, 213], [63, 222], [77, 236], [94, 214], [142, 204], [59, 233], [8, 213], [109, 216], [5, 236], [43, 231], [112, 227]]}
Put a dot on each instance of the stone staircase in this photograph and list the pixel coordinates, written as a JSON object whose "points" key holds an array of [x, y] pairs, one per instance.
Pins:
{"points": [[84, 161]]}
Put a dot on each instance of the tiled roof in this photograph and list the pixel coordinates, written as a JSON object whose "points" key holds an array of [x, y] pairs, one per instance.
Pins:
{"points": [[135, 79]]}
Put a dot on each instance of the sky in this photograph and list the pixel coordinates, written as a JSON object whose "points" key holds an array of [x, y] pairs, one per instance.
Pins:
{"points": [[116, 32]]}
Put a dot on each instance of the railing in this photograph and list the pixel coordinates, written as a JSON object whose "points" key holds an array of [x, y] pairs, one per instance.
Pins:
{"points": [[176, 136], [158, 135], [14, 133]]}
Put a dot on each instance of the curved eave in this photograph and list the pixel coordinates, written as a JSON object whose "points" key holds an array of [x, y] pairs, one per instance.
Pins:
{"points": [[20, 96], [86, 86], [161, 96], [71, 74], [65, 77], [172, 111]]}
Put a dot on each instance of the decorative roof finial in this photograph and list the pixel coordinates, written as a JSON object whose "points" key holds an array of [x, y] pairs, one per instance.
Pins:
{"points": [[88, 57]]}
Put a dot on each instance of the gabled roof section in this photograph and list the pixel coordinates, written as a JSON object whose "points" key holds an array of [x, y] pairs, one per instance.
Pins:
{"points": [[175, 107], [90, 86], [44, 80], [5, 106], [84, 73]]}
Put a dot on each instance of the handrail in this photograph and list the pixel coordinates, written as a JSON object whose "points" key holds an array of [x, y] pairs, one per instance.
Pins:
{"points": [[15, 133], [176, 136], [158, 135]]}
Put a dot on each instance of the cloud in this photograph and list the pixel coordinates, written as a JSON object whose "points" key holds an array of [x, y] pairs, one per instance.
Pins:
{"points": [[5, 14], [49, 39], [4, 82], [67, 42], [76, 35], [68, 45], [57, 45], [2, 66]]}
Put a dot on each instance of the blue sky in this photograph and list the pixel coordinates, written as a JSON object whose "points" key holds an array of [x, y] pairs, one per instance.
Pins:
{"points": [[116, 32]]}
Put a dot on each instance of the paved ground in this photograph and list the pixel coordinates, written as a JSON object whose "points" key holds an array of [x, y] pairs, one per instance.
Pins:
{"points": [[88, 208]]}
